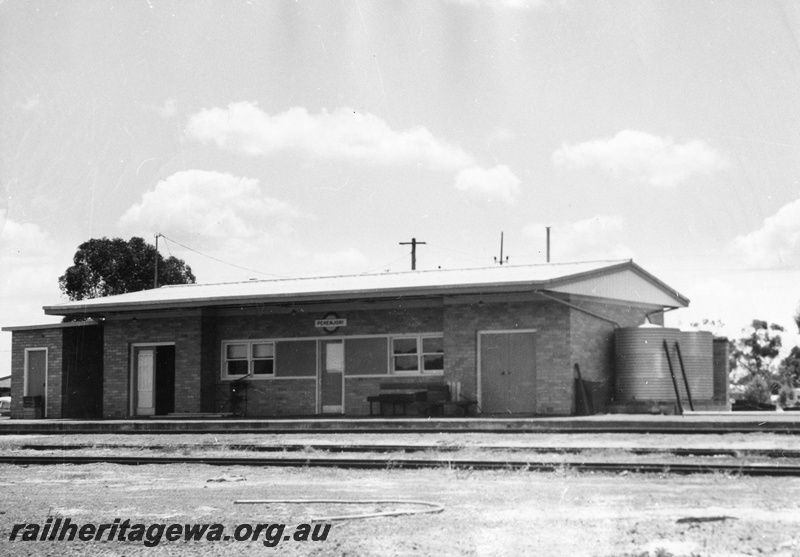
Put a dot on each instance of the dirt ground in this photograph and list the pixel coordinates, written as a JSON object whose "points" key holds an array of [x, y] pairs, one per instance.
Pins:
{"points": [[485, 513]]}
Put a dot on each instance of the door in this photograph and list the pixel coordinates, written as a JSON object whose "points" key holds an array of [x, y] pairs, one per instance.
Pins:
{"points": [[145, 362], [508, 372], [36, 374], [153, 380], [332, 376]]}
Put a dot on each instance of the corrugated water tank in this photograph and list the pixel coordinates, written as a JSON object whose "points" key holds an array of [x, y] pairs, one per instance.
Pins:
{"points": [[643, 370], [697, 349], [642, 367]]}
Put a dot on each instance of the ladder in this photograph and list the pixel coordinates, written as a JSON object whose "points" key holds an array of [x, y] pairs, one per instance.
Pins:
{"points": [[683, 373]]}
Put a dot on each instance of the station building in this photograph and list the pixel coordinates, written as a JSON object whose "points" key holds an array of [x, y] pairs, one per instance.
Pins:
{"points": [[507, 338]]}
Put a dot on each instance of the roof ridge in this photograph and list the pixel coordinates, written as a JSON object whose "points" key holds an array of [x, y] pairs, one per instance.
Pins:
{"points": [[420, 271]]}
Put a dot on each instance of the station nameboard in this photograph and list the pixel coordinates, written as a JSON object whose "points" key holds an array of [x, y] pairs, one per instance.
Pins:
{"points": [[330, 323]]}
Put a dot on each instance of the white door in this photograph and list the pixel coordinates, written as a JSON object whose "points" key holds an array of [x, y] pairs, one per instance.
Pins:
{"points": [[145, 381], [332, 376]]}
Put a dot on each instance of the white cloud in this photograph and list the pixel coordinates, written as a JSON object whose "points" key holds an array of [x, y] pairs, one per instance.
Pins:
{"points": [[596, 238], [22, 242], [346, 135], [776, 243], [642, 157], [493, 183], [218, 208], [343, 134]]}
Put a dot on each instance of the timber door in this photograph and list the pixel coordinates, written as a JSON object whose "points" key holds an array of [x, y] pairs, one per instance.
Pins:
{"points": [[331, 376], [507, 372], [145, 373], [36, 374]]}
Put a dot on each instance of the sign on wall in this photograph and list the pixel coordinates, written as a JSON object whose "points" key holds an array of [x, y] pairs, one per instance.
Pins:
{"points": [[330, 323]]}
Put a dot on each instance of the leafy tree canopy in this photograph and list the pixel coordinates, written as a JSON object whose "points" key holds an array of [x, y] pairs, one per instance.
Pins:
{"points": [[105, 267], [790, 367], [754, 353]]}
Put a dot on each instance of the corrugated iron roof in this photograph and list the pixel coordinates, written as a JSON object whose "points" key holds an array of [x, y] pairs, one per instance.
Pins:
{"points": [[410, 283]]}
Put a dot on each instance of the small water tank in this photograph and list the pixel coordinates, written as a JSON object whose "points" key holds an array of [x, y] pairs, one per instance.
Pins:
{"points": [[642, 367], [697, 349]]}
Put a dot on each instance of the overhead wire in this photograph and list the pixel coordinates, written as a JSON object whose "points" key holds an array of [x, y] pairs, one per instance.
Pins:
{"points": [[221, 261], [384, 265]]}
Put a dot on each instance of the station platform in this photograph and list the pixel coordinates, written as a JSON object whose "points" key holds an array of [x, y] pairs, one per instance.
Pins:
{"points": [[690, 422]]}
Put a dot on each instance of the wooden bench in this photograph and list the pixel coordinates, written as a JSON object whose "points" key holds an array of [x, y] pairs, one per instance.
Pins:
{"points": [[399, 396]]}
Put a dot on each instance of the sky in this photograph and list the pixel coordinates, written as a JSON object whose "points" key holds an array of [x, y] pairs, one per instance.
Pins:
{"points": [[303, 138]]}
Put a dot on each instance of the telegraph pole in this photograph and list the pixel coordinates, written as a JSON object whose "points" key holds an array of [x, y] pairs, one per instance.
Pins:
{"points": [[413, 243], [155, 271]]}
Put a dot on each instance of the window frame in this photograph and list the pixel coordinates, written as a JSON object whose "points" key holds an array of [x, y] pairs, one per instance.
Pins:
{"points": [[419, 339], [250, 359], [420, 354]]}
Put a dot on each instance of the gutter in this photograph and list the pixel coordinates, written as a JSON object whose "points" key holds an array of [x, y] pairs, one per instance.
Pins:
{"points": [[578, 308], [662, 310]]}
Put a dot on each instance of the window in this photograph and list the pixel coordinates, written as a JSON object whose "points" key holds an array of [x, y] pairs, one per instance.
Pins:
{"points": [[417, 354], [249, 357]]}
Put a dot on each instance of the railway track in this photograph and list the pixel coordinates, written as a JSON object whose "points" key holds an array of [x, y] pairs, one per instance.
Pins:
{"points": [[405, 448], [407, 463]]}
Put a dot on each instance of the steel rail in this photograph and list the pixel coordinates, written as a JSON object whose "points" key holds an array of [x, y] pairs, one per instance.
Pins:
{"points": [[416, 464], [784, 428], [403, 448]]}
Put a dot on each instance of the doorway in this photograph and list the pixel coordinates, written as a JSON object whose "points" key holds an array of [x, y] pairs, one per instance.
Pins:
{"points": [[153, 380], [35, 382], [507, 372], [331, 376]]}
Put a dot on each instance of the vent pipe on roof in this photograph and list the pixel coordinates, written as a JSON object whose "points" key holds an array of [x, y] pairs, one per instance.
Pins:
{"points": [[501, 252], [548, 243]]}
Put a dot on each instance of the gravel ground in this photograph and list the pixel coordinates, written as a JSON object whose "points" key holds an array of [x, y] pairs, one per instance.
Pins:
{"points": [[485, 513]]}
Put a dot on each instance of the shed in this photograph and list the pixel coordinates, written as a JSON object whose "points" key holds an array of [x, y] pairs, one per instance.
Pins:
{"points": [[57, 370], [506, 337]]}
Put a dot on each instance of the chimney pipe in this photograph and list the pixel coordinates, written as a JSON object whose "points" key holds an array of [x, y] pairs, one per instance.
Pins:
{"points": [[548, 244]]}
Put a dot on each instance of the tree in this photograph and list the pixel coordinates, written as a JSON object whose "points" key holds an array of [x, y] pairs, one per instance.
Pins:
{"points": [[105, 267], [754, 353], [797, 317], [790, 367]]}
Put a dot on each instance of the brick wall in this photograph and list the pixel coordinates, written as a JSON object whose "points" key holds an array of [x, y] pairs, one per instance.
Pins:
{"points": [[357, 389], [209, 362], [182, 330], [43, 338], [564, 336], [298, 396], [592, 342], [552, 323], [282, 397]]}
